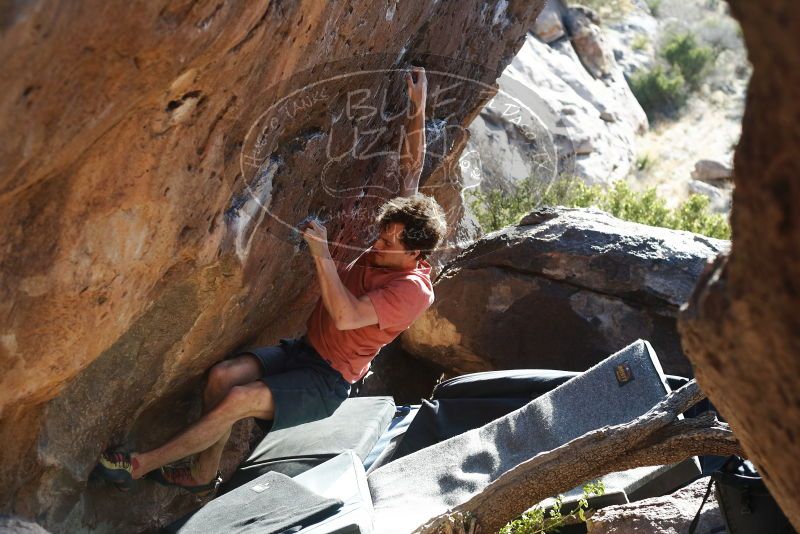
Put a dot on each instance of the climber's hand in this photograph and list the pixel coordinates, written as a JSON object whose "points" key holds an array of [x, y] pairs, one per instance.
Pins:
{"points": [[317, 238], [417, 85]]}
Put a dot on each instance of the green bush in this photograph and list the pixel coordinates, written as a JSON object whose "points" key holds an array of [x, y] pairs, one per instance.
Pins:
{"points": [[664, 88], [694, 216], [640, 42], [537, 520], [659, 90], [496, 209], [653, 5], [683, 53], [645, 161]]}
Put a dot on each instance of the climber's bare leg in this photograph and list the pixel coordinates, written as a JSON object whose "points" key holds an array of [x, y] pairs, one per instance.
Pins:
{"points": [[250, 400], [221, 379]]}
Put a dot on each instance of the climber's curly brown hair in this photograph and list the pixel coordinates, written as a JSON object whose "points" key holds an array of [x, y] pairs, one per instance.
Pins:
{"points": [[423, 219]]}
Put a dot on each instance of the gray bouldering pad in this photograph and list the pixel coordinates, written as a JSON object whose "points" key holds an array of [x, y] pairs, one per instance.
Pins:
{"points": [[430, 481], [271, 503]]}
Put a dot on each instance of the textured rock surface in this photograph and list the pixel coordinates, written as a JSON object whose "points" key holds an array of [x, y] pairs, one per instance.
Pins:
{"points": [[134, 251], [589, 126], [636, 24], [715, 180], [549, 24], [671, 514], [714, 172], [741, 330], [15, 525], [719, 196], [588, 41], [562, 290]]}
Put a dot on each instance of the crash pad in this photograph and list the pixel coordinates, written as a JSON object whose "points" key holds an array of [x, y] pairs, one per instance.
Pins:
{"points": [[425, 483]]}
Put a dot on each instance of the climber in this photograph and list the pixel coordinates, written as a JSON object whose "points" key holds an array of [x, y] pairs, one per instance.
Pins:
{"points": [[363, 306]]}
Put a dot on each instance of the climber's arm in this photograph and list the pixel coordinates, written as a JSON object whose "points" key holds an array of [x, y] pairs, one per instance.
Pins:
{"points": [[412, 152], [347, 311]]}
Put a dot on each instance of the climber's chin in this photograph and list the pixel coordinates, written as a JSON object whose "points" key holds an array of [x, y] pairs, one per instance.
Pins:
{"points": [[375, 258]]}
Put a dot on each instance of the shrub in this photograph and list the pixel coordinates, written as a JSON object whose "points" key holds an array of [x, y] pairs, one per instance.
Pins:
{"points": [[694, 215], [537, 520], [496, 209], [659, 90], [664, 88], [645, 161], [640, 42], [623, 202], [684, 54], [653, 6]]}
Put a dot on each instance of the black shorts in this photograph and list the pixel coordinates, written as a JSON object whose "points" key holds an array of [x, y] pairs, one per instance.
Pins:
{"points": [[304, 386]]}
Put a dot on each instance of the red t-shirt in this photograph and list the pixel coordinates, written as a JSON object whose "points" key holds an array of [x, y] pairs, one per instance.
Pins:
{"points": [[399, 297]]}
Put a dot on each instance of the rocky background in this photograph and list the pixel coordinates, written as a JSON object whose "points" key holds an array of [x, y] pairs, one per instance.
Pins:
{"points": [[669, 514], [562, 290], [137, 250], [577, 64], [140, 246]]}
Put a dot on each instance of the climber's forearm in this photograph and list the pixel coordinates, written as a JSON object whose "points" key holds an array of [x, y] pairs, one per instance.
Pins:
{"points": [[337, 299], [412, 155]]}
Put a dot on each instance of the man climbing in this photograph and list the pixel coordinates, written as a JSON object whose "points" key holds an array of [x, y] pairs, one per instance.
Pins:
{"points": [[363, 306]]}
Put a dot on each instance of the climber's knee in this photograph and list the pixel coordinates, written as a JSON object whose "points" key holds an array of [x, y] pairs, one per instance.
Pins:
{"points": [[250, 400], [229, 373]]}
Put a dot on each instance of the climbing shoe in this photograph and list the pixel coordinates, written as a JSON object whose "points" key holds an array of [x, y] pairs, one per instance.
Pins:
{"points": [[115, 467], [181, 476]]}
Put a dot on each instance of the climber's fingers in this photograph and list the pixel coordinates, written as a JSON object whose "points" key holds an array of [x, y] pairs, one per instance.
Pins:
{"points": [[315, 230], [416, 79]]}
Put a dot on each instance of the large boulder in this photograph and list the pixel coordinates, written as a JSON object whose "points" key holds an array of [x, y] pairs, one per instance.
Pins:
{"points": [[588, 40], [669, 514], [713, 172], [154, 158], [742, 328], [549, 24], [562, 290], [553, 118]]}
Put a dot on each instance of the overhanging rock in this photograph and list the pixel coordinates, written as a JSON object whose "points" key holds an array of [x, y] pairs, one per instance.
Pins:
{"points": [[147, 199]]}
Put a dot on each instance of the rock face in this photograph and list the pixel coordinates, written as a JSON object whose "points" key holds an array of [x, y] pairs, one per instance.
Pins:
{"points": [[631, 37], [153, 159], [549, 24], [15, 525], [713, 172], [588, 41], [671, 514], [709, 125], [741, 329], [579, 125], [562, 290]]}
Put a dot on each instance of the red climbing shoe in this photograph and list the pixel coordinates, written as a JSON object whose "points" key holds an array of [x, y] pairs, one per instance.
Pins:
{"points": [[181, 476]]}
